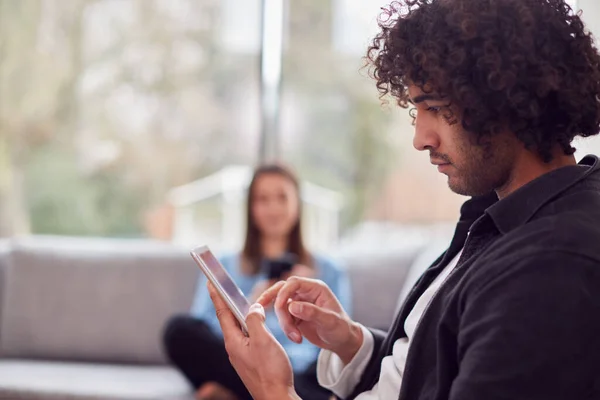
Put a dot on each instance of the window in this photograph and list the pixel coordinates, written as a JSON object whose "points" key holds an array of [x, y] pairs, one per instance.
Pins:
{"points": [[106, 105], [337, 133], [112, 112]]}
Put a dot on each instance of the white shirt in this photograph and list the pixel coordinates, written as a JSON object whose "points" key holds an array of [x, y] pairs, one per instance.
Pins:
{"points": [[341, 380]]}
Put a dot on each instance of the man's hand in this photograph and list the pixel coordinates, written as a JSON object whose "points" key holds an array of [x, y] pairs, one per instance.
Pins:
{"points": [[307, 307], [259, 359], [259, 289]]}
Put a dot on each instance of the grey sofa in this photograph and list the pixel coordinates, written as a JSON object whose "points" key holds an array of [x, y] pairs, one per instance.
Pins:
{"points": [[82, 318]]}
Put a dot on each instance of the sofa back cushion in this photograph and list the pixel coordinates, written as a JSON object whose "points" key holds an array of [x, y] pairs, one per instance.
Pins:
{"points": [[4, 261], [92, 299], [431, 252], [377, 280]]}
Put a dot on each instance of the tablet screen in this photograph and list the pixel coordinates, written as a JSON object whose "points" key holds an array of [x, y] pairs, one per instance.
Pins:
{"points": [[228, 285]]}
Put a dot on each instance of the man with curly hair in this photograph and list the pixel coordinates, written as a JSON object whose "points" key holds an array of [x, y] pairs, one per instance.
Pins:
{"points": [[511, 311]]}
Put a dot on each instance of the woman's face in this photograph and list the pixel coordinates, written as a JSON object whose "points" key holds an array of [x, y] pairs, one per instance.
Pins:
{"points": [[275, 205]]}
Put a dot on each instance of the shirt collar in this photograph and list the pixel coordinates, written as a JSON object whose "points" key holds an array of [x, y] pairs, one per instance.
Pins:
{"points": [[520, 206]]}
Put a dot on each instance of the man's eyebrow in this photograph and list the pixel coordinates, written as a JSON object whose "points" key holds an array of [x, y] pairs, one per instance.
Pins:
{"points": [[425, 97]]}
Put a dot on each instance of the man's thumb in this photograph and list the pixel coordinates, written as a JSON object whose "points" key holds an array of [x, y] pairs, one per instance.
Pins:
{"points": [[256, 320], [311, 313]]}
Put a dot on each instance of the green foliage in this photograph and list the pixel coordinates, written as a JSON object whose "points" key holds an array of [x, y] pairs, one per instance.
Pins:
{"points": [[194, 94], [62, 201]]}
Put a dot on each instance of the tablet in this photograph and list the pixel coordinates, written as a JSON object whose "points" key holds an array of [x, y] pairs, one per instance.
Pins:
{"points": [[221, 280]]}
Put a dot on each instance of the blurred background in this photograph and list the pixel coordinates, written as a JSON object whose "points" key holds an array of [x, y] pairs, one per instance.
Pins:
{"points": [[128, 133], [107, 106]]}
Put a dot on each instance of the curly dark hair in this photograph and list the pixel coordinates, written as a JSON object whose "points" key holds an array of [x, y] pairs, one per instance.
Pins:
{"points": [[528, 66]]}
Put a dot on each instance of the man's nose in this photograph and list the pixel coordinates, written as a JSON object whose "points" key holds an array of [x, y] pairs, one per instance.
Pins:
{"points": [[426, 137]]}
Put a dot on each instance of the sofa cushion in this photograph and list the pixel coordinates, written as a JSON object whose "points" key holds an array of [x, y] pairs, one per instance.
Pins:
{"points": [[4, 261], [377, 279], [426, 257], [92, 299], [30, 380]]}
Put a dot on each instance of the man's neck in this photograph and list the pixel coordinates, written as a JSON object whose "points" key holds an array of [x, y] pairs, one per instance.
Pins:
{"points": [[530, 166]]}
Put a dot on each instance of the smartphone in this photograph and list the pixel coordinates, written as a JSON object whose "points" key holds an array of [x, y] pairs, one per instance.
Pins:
{"points": [[221, 280], [276, 268]]}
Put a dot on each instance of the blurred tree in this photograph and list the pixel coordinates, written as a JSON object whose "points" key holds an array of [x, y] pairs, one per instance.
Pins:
{"points": [[105, 105], [65, 202], [28, 82]]}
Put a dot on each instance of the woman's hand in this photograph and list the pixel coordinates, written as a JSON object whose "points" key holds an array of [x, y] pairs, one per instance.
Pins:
{"points": [[308, 308], [301, 271], [259, 359]]}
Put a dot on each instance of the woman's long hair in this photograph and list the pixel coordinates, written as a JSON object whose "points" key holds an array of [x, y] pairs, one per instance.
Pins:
{"points": [[252, 252]]}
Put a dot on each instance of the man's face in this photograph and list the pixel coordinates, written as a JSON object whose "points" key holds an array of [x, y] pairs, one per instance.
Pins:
{"points": [[472, 169]]}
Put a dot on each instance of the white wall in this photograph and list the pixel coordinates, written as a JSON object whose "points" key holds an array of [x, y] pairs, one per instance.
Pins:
{"points": [[591, 17], [591, 14]]}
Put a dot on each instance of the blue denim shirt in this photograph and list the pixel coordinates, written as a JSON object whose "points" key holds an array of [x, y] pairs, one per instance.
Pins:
{"points": [[301, 355]]}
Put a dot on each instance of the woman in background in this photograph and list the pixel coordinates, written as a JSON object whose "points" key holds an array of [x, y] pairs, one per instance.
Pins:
{"points": [[194, 343]]}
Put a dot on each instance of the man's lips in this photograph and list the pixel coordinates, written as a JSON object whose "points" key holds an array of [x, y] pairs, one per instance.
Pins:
{"points": [[442, 165]]}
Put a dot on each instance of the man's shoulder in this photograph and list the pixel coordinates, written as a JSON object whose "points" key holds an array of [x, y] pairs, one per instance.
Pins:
{"points": [[557, 234], [545, 251], [570, 224], [571, 234]]}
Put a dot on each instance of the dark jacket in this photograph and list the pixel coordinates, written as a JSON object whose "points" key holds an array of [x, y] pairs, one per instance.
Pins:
{"points": [[519, 318]]}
